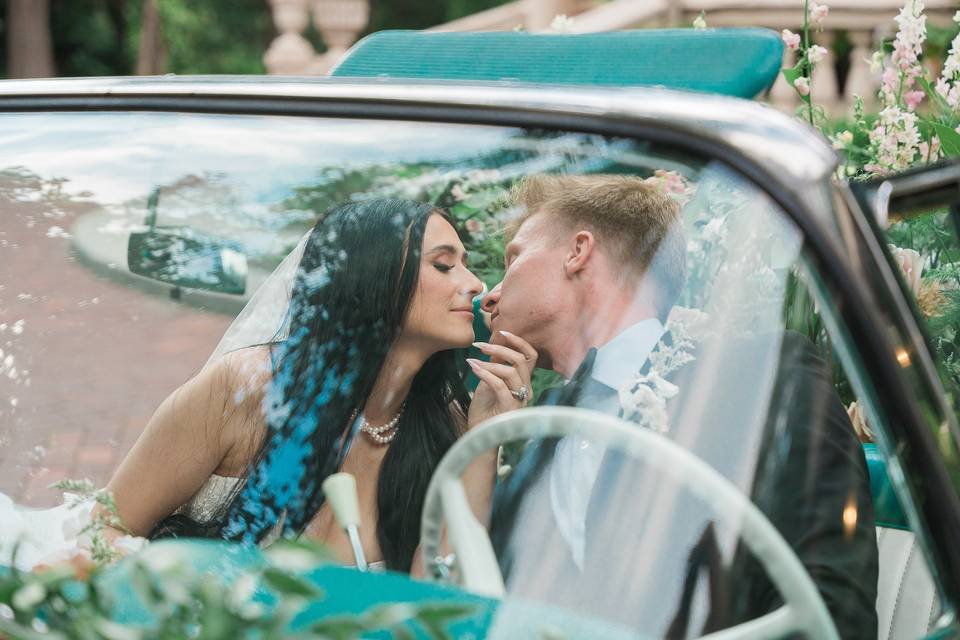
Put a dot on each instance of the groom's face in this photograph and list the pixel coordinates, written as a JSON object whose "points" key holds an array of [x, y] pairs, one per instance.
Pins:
{"points": [[533, 286]]}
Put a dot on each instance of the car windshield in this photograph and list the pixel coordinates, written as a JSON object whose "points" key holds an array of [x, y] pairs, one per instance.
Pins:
{"points": [[660, 289]]}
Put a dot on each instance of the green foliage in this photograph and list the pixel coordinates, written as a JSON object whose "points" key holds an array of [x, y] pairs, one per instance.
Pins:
{"points": [[101, 37], [182, 602], [216, 36], [94, 37], [416, 14]]}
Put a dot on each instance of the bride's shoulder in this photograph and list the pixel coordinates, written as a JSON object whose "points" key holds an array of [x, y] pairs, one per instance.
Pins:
{"points": [[241, 378], [249, 367]]}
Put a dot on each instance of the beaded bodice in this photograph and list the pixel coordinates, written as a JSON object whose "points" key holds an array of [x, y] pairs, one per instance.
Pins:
{"points": [[214, 492]]}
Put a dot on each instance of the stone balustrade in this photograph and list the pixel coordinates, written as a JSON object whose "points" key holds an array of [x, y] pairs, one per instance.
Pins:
{"points": [[339, 23]]}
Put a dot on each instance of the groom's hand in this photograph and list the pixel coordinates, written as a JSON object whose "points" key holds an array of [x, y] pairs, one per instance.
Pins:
{"points": [[505, 380]]}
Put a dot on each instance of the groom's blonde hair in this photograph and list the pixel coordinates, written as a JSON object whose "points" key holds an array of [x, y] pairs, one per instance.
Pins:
{"points": [[636, 224]]}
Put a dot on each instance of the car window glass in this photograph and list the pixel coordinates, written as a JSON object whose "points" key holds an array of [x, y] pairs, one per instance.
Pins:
{"points": [[132, 241]]}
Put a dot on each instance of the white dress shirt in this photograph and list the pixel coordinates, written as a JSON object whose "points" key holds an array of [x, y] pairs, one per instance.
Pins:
{"points": [[577, 460]]}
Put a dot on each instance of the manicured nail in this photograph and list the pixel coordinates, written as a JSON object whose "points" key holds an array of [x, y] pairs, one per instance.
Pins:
{"points": [[479, 345], [507, 333], [473, 363]]}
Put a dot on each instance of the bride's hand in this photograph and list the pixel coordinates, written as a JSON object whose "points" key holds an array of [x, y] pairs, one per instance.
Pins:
{"points": [[502, 379]]}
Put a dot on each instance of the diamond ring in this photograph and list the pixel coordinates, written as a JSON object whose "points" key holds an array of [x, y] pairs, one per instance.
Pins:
{"points": [[521, 394]]}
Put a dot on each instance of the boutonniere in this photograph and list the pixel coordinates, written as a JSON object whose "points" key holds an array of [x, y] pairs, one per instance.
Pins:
{"points": [[643, 397]]}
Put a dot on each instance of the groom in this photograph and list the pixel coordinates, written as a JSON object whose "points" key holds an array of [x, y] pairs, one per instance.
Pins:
{"points": [[594, 266]]}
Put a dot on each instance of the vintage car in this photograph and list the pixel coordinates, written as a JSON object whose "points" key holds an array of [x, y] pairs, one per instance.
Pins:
{"points": [[139, 216]]}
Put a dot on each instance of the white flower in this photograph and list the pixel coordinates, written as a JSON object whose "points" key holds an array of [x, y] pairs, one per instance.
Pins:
{"points": [[948, 85], [790, 39], [130, 544], [243, 589], [79, 518], [660, 385], [876, 62], [844, 139], [291, 559], [690, 321], [700, 22], [895, 140], [908, 44], [802, 85], [160, 559], [28, 596], [911, 265], [817, 12], [646, 398], [641, 400], [715, 230], [816, 53], [859, 421], [562, 24]]}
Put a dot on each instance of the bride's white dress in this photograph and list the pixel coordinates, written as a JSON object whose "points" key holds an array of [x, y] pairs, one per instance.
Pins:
{"points": [[48, 535]]}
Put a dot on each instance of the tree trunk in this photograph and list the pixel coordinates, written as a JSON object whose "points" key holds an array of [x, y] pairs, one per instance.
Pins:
{"points": [[150, 58], [29, 47], [116, 10]]}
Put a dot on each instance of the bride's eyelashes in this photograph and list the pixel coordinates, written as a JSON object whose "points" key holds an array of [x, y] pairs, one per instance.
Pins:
{"points": [[442, 268]]}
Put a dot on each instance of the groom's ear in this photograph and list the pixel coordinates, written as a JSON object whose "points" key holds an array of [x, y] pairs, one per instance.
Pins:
{"points": [[581, 248]]}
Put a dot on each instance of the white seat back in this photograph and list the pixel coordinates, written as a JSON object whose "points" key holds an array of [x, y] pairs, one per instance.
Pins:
{"points": [[907, 602]]}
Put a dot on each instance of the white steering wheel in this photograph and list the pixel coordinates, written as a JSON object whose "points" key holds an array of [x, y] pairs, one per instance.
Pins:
{"points": [[803, 610]]}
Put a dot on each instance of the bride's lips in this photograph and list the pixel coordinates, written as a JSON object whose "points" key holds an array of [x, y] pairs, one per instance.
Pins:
{"points": [[464, 311]]}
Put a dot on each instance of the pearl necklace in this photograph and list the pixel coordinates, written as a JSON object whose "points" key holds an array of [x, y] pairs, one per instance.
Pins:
{"points": [[383, 434]]}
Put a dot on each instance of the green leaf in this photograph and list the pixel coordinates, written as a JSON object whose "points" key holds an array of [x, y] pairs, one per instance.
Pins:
{"points": [[792, 74], [445, 612], [339, 628], [933, 96], [14, 631], [289, 585], [949, 139]]}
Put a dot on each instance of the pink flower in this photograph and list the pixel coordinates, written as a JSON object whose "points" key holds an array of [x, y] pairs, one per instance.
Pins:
{"points": [[913, 99], [474, 226], [802, 85], [818, 12], [931, 150], [816, 53], [457, 192], [790, 39], [911, 265], [890, 79]]}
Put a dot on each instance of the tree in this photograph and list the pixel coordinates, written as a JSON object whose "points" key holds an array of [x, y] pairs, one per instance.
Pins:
{"points": [[150, 59], [122, 37], [29, 46]]}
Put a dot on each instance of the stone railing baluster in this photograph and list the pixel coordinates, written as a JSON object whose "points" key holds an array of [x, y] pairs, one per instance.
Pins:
{"points": [[289, 53]]}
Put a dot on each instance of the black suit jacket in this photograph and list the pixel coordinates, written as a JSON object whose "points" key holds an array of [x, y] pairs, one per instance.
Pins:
{"points": [[810, 477]]}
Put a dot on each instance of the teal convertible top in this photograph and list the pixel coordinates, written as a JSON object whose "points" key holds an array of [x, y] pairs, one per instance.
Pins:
{"points": [[734, 62]]}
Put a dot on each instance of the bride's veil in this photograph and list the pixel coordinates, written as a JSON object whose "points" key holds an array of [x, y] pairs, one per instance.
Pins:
{"points": [[265, 317]]}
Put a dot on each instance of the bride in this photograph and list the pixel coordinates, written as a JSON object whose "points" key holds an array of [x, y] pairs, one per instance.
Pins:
{"points": [[366, 376]]}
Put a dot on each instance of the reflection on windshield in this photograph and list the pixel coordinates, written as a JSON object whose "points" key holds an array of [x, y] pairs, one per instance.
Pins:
{"points": [[341, 210]]}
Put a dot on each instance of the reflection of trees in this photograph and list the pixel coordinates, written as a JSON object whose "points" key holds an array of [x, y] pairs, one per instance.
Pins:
{"points": [[36, 194], [472, 188]]}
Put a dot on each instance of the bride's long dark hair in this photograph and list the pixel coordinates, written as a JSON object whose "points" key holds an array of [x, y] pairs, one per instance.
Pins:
{"points": [[358, 274]]}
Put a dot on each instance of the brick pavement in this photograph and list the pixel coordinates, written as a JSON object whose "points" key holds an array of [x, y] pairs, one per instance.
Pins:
{"points": [[82, 373]]}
